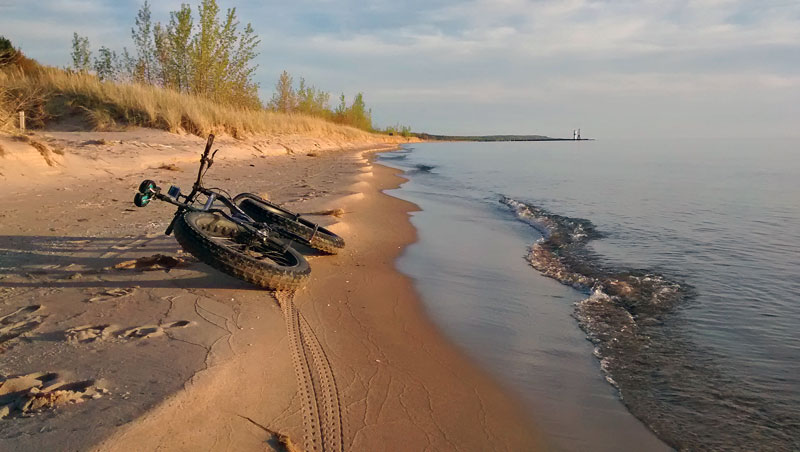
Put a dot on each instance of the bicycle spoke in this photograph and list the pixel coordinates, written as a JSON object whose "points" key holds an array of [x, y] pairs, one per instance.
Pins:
{"points": [[257, 251]]}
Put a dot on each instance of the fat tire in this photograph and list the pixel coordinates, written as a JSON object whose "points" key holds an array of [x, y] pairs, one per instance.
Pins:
{"points": [[268, 275], [289, 224]]}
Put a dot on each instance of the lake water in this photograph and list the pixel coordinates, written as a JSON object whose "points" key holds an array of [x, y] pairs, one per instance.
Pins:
{"points": [[635, 294]]}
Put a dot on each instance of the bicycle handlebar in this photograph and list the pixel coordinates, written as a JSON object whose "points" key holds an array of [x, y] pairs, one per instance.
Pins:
{"points": [[205, 163], [209, 143]]}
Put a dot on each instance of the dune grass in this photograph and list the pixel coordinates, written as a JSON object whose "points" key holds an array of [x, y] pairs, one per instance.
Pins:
{"points": [[51, 94]]}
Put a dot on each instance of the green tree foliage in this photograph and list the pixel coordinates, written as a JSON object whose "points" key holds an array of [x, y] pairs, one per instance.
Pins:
{"points": [[240, 70], [81, 55], [126, 67], [397, 129], [358, 115], [312, 101], [178, 42], [161, 52], [221, 58], [341, 109], [203, 45], [212, 57], [106, 64], [7, 52], [284, 99], [145, 70], [307, 99]]}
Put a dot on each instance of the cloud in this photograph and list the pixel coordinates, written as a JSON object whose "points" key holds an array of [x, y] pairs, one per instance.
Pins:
{"points": [[496, 56], [589, 29]]}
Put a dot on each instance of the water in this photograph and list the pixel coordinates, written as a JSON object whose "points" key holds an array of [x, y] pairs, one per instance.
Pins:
{"points": [[678, 260]]}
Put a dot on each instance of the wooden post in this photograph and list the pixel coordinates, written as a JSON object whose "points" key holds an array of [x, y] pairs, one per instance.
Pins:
{"points": [[22, 120]]}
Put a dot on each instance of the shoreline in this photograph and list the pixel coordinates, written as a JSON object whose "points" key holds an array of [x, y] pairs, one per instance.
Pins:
{"points": [[515, 322], [443, 399], [227, 378]]}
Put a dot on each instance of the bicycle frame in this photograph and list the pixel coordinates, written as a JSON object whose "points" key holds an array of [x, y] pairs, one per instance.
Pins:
{"points": [[237, 215]]}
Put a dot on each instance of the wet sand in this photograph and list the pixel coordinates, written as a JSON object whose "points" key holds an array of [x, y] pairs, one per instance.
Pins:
{"points": [[183, 357]]}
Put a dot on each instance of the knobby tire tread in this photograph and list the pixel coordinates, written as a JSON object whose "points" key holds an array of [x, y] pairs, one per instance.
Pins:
{"points": [[322, 240], [234, 264]]}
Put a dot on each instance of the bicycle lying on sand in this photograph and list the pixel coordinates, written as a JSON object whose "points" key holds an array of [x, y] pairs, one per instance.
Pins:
{"points": [[245, 236]]}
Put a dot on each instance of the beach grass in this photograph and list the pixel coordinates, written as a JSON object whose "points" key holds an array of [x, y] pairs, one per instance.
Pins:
{"points": [[50, 94]]}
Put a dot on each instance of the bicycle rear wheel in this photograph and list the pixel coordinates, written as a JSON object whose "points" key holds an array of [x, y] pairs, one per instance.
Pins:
{"points": [[289, 224]]}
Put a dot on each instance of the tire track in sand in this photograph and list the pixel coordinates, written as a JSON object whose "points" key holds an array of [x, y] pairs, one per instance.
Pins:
{"points": [[319, 395], [326, 385]]}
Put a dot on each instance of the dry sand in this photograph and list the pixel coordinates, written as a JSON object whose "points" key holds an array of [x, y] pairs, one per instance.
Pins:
{"points": [[101, 353]]}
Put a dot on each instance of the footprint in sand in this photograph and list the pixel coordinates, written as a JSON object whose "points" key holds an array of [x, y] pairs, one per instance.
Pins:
{"points": [[111, 294], [148, 331], [19, 322], [91, 333], [25, 395]]}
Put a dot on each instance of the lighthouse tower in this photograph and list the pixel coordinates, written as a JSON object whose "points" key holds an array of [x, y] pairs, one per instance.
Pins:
{"points": [[574, 134]]}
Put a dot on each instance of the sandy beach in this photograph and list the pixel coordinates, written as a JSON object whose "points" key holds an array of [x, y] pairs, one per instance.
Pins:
{"points": [[121, 350]]}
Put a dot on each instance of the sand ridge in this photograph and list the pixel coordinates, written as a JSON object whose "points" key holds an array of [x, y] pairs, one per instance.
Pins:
{"points": [[75, 156]]}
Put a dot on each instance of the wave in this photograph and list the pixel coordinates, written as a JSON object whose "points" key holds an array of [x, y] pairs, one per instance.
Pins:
{"points": [[562, 255], [394, 157], [621, 300], [665, 379]]}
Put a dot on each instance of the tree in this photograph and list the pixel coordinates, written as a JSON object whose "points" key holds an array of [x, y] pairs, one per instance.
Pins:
{"points": [[81, 55], [222, 54], [222, 59], [106, 64], [203, 46], [284, 99], [341, 109], [241, 68], [162, 72], [7, 52], [312, 101], [178, 41], [358, 115], [126, 66], [210, 58], [144, 69]]}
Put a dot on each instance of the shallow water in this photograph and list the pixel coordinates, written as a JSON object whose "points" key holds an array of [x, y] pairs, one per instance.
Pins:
{"points": [[683, 266]]}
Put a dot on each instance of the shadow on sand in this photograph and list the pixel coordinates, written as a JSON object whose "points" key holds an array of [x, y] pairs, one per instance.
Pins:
{"points": [[88, 262]]}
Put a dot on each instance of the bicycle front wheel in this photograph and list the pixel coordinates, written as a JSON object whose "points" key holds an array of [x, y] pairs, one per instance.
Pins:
{"points": [[228, 247]]}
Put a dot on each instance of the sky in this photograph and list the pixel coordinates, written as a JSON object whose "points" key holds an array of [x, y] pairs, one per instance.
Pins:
{"points": [[616, 68]]}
